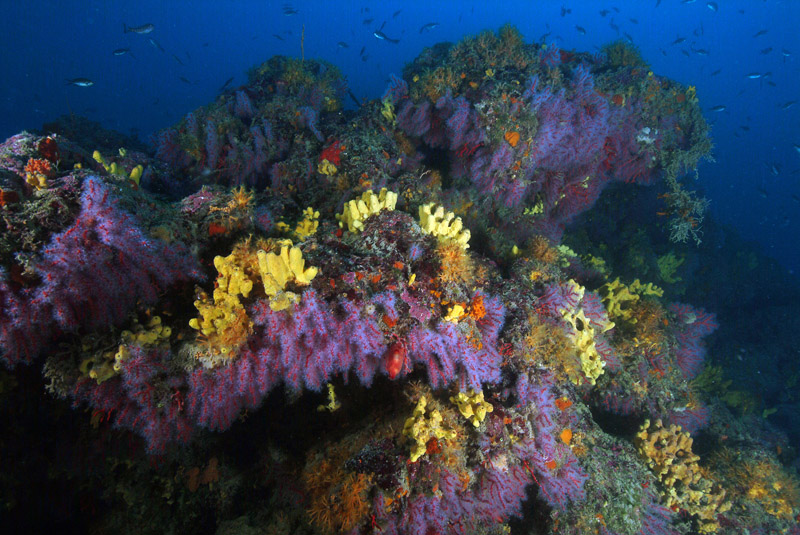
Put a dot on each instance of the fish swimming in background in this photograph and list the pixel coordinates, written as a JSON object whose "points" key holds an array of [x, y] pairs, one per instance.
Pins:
{"points": [[289, 10], [184, 80], [367, 22], [565, 11], [123, 51], [394, 15], [716, 72], [796, 147], [581, 30], [428, 27], [754, 75], [604, 12], [634, 21], [712, 6], [759, 33], [177, 59], [342, 44], [678, 40], [789, 104], [718, 108], [80, 82], [383, 37], [765, 51], [278, 37], [700, 51], [141, 30], [226, 84], [155, 44]]}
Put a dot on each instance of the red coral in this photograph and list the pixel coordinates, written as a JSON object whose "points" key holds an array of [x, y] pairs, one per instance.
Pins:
{"points": [[332, 153]]}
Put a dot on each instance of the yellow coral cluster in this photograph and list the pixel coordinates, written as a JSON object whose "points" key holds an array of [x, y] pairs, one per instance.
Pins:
{"points": [[223, 319], [308, 225], [443, 224], [582, 335], [135, 174], [358, 210], [104, 365], [668, 452], [279, 269], [421, 428], [472, 406], [619, 298]]}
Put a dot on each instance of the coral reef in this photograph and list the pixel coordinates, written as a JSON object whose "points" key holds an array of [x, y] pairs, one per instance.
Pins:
{"points": [[309, 356]]}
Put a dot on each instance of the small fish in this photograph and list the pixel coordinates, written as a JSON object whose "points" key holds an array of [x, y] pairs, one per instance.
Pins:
{"points": [[628, 37], [754, 75], [700, 51], [658, 3], [177, 59], [122, 52], [394, 15], [363, 49], [775, 169], [367, 22], [785, 53], [565, 11], [289, 10], [365, 58], [80, 82], [155, 44], [718, 108], [278, 37], [383, 37], [614, 26], [141, 30], [678, 41], [745, 128], [342, 44], [789, 104], [712, 6], [688, 1], [765, 51], [716, 72], [634, 21], [685, 53], [796, 146], [184, 80], [226, 84], [428, 27], [759, 33], [581, 30], [604, 12]]}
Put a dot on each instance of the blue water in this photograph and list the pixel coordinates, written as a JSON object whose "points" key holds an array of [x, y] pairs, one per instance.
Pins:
{"points": [[754, 185]]}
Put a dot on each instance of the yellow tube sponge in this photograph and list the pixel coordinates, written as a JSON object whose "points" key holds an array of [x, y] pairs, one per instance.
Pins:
{"points": [[445, 225], [358, 210], [668, 453], [582, 335], [308, 225], [279, 269], [619, 298], [472, 406], [421, 429]]}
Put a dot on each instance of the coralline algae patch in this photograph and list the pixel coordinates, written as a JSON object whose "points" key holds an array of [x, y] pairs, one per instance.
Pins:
{"points": [[400, 342]]}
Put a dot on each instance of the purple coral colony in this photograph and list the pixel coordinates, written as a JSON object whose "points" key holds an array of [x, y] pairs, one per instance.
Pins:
{"points": [[295, 319]]}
